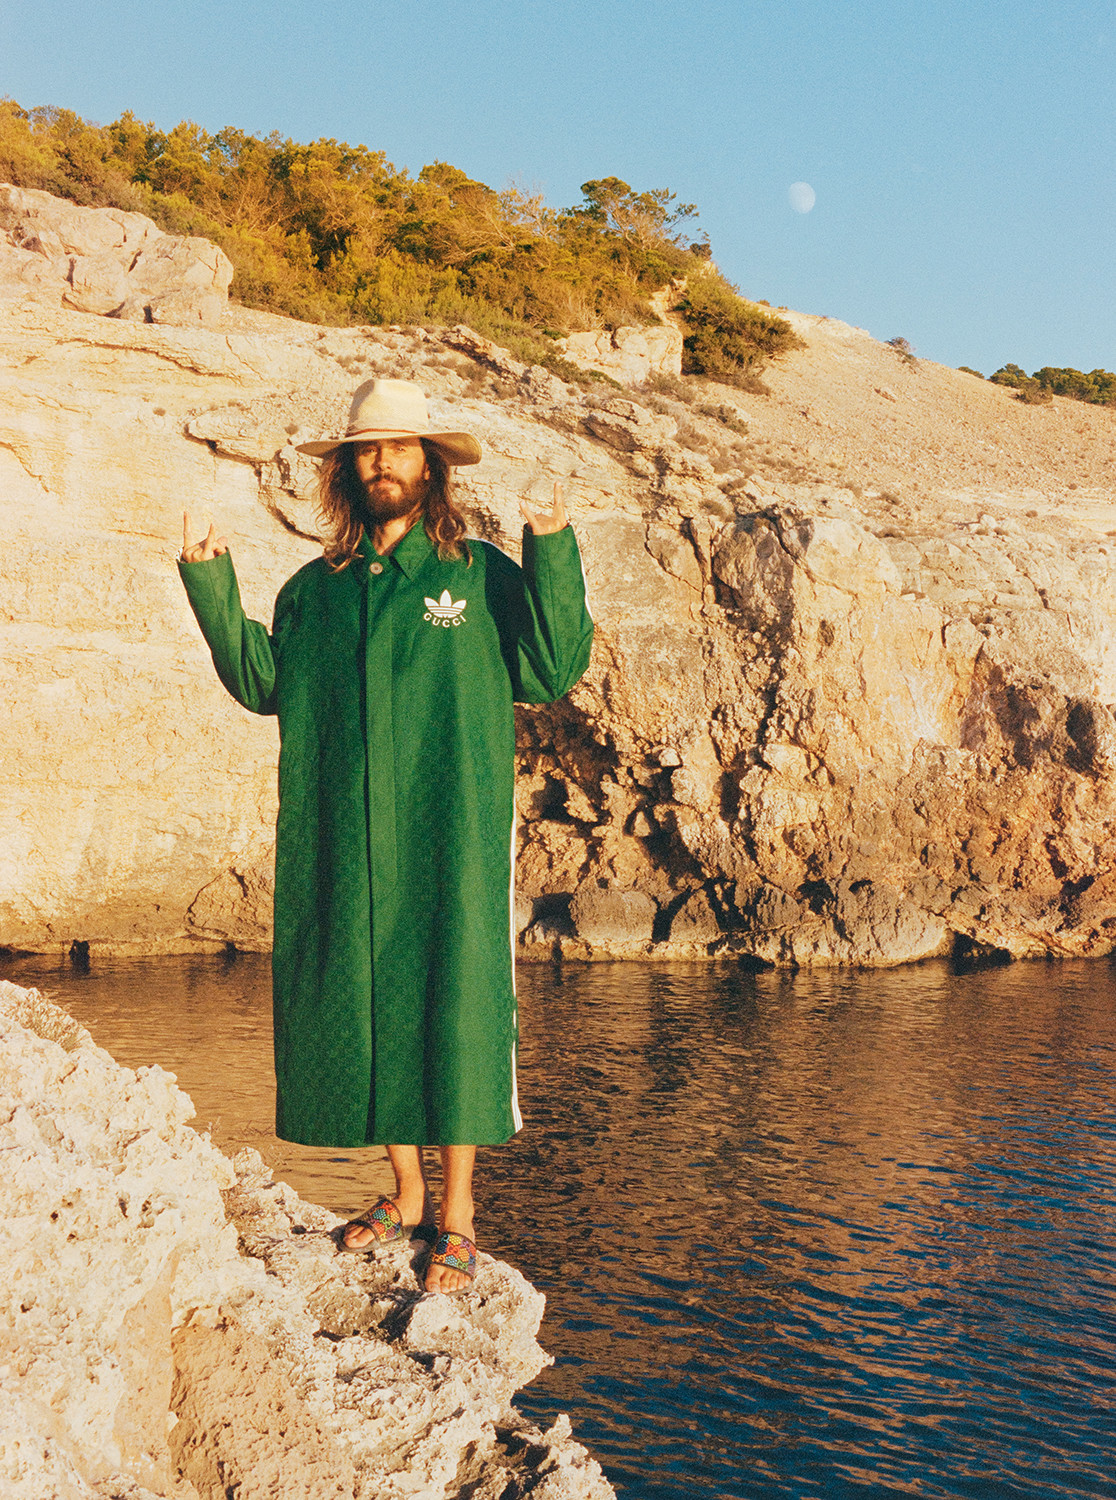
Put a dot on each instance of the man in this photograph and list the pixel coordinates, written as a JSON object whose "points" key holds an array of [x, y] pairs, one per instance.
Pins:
{"points": [[392, 664]]}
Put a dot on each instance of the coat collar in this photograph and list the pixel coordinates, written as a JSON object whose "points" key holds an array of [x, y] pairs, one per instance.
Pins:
{"points": [[408, 554]]}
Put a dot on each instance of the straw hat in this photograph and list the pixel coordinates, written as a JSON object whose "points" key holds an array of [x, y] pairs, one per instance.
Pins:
{"points": [[396, 409]]}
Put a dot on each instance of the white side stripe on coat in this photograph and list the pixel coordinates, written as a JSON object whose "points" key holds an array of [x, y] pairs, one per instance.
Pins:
{"points": [[517, 1118]]}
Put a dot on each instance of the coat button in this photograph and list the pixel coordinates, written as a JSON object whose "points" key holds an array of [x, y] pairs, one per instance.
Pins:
{"points": [[375, 567]]}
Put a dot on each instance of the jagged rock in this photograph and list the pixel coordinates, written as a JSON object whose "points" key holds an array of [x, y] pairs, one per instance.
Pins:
{"points": [[631, 355], [612, 919], [628, 426], [106, 261], [859, 922], [179, 1327], [674, 552], [533, 382], [695, 921], [853, 677], [240, 900]]}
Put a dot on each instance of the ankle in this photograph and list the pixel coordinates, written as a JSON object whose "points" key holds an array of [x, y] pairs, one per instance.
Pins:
{"points": [[413, 1201], [457, 1213]]}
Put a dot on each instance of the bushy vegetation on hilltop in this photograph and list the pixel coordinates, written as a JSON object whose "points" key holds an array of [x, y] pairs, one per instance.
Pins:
{"points": [[334, 233], [1098, 387]]}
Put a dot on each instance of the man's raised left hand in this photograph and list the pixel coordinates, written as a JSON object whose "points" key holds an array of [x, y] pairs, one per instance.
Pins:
{"points": [[542, 522]]}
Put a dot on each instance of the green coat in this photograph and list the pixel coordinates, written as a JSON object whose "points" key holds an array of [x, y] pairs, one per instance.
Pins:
{"points": [[393, 680]]}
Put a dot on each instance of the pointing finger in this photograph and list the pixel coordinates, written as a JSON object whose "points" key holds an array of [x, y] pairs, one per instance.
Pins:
{"points": [[559, 508]]}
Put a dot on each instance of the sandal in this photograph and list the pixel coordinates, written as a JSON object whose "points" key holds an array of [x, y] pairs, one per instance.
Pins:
{"points": [[457, 1252], [386, 1224]]}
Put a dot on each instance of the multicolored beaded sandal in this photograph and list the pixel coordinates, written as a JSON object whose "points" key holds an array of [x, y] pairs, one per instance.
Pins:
{"points": [[388, 1229], [458, 1253]]}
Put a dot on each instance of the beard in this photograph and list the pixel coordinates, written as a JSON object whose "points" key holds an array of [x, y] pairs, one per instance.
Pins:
{"points": [[392, 499]]}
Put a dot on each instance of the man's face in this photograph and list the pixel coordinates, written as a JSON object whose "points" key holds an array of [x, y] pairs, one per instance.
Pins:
{"points": [[394, 475]]}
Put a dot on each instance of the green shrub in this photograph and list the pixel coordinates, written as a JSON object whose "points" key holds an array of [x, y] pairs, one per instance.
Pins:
{"points": [[727, 338], [1098, 387], [968, 370], [1026, 387], [720, 412], [1034, 394]]}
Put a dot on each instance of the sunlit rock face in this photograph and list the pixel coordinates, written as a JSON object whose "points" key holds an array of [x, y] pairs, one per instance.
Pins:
{"points": [[107, 261], [179, 1326], [629, 355], [849, 701]]}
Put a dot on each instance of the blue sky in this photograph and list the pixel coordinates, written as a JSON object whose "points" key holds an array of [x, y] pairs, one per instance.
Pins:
{"points": [[962, 155]]}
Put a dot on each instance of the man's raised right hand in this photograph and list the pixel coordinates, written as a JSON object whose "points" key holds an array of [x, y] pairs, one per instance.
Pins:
{"points": [[210, 546]]}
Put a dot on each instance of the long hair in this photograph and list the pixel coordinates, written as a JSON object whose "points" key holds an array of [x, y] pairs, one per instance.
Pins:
{"points": [[342, 507]]}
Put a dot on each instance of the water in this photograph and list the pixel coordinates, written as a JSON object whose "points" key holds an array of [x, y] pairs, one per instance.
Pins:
{"points": [[816, 1235]]}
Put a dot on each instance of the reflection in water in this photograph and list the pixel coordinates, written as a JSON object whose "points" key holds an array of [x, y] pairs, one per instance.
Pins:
{"points": [[840, 1234]]}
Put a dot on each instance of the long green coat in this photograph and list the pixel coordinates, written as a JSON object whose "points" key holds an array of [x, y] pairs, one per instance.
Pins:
{"points": [[393, 680]]}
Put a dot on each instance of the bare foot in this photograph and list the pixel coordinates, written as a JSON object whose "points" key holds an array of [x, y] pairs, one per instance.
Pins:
{"points": [[414, 1208]]}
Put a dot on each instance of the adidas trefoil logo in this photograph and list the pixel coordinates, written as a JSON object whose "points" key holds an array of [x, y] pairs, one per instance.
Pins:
{"points": [[445, 611]]}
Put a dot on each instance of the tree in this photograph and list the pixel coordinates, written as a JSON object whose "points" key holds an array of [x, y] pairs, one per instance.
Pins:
{"points": [[649, 218]]}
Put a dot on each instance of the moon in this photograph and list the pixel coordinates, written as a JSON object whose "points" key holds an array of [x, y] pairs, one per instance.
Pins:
{"points": [[802, 197]]}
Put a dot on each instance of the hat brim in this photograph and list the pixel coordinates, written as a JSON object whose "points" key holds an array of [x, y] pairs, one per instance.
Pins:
{"points": [[457, 448]]}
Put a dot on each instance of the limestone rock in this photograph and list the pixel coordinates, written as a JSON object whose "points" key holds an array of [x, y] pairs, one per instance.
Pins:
{"points": [[534, 382], [238, 901], [863, 923], [630, 355], [106, 261], [853, 680], [612, 919], [674, 551], [627, 425], [181, 1326], [696, 922]]}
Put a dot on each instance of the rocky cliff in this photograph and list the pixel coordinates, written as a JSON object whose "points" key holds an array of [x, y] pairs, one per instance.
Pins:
{"points": [[178, 1325], [851, 694]]}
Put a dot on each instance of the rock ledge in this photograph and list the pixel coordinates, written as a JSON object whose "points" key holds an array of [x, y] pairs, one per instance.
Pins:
{"points": [[180, 1326]]}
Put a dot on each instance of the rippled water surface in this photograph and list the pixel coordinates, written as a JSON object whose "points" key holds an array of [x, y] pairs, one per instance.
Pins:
{"points": [[842, 1234]]}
